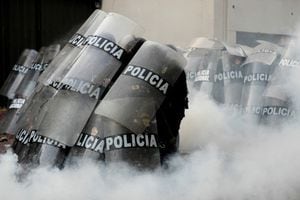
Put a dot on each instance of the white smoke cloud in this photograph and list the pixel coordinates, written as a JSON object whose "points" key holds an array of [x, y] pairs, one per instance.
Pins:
{"points": [[256, 162], [251, 162], [225, 157], [263, 167]]}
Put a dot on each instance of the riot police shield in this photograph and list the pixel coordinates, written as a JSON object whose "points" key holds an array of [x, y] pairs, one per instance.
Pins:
{"points": [[33, 112], [90, 143], [46, 55], [17, 74], [83, 85], [258, 69], [278, 105], [63, 61], [26, 88], [130, 106], [149, 76], [232, 75], [203, 62], [75, 92]]}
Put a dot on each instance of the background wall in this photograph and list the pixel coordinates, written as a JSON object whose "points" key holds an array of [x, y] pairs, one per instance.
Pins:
{"points": [[178, 22], [34, 23], [266, 18], [168, 21]]}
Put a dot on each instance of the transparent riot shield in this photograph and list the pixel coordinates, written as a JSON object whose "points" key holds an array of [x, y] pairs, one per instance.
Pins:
{"points": [[138, 150], [203, 62], [26, 88], [94, 143], [130, 106], [33, 112], [46, 55], [149, 76], [72, 49], [258, 69], [278, 105], [34, 150], [78, 89], [90, 143], [85, 82], [17, 74], [232, 75]]}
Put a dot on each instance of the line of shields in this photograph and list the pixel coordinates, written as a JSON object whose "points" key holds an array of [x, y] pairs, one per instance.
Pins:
{"points": [[98, 98], [253, 82], [110, 95]]}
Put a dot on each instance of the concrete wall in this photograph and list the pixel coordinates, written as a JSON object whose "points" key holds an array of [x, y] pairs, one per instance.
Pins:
{"points": [[220, 11], [168, 21], [263, 16], [178, 21], [266, 16]]}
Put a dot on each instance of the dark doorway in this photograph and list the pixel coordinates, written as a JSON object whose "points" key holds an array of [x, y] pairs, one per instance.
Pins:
{"points": [[36, 23]]}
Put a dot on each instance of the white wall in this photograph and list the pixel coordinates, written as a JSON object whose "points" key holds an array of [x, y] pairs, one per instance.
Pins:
{"points": [[263, 16], [168, 21], [179, 21]]}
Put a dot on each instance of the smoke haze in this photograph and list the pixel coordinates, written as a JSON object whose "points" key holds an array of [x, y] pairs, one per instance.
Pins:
{"points": [[225, 156]]}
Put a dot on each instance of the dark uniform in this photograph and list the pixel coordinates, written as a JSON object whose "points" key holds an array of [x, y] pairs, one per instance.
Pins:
{"points": [[169, 117]]}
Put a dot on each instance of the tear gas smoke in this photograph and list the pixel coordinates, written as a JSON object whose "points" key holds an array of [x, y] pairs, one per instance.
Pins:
{"points": [[227, 157]]}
